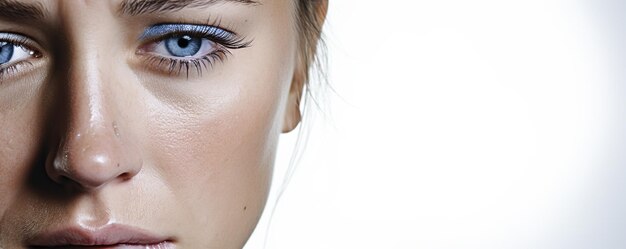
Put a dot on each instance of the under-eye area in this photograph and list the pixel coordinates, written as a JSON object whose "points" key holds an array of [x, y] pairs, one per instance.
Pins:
{"points": [[178, 49]]}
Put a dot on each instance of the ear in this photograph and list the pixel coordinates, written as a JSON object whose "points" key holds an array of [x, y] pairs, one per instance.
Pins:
{"points": [[293, 116]]}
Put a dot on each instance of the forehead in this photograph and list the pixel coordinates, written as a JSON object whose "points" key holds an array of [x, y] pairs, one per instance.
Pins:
{"points": [[40, 9], [49, 15], [134, 7]]}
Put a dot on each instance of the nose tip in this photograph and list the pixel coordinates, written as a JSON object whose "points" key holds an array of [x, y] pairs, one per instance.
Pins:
{"points": [[91, 162]]}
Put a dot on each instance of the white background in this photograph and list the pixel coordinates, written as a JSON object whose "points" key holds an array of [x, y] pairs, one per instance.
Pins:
{"points": [[462, 124]]}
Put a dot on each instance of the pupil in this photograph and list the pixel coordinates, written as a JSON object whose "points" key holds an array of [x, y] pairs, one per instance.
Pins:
{"points": [[184, 41]]}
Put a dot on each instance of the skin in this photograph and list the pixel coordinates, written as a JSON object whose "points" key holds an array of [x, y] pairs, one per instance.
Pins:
{"points": [[92, 135]]}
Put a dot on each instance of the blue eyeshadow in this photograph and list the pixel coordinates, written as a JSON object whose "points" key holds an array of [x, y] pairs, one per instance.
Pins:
{"points": [[161, 30]]}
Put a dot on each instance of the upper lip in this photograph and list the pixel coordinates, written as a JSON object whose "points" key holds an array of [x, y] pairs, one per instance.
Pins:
{"points": [[112, 234]]}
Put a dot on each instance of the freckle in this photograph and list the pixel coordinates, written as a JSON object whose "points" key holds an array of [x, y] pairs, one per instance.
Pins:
{"points": [[118, 165]]}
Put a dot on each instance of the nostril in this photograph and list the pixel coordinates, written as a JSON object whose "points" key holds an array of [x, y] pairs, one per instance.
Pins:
{"points": [[64, 180], [125, 176], [67, 182]]}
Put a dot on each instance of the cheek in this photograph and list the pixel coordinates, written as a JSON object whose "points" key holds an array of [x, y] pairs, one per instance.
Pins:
{"points": [[218, 163], [238, 131], [216, 151], [21, 127], [17, 152]]}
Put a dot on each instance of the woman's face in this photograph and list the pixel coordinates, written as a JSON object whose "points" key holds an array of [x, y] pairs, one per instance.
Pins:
{"points": [[141, 122]]}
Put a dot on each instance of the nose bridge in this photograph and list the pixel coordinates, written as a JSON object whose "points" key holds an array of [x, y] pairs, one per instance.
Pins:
{"points": [[87, 91], [86, 84], [91, 109], [90, 124]]}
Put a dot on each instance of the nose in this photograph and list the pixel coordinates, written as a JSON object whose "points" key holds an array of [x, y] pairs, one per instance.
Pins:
{"points": [[95, 147], [91, 158]]}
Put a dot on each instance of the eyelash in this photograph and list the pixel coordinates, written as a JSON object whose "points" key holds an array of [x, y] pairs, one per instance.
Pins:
{"points": [[224, 40]]}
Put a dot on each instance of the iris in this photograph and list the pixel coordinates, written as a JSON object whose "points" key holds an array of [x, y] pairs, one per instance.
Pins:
{"points": [[183, 46], [6, 52]]}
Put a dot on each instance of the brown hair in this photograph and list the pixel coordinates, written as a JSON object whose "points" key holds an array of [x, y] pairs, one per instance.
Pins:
{"points": [[310, 16]]}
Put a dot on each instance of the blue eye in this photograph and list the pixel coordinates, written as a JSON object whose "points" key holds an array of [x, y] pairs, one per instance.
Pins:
{"points": [[13, 52], [183, 46], [10, 52], [184, 40], [176, 47], [6, 52]]}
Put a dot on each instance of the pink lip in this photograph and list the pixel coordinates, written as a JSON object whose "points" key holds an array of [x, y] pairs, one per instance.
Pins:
{"points": [[110, 236]]}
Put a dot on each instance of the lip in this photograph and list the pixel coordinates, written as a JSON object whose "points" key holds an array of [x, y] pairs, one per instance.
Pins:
{"points": [[110, 236]]}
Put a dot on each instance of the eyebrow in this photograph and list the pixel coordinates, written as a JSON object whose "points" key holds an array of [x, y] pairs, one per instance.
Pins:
{"points": [[17, 11], [140, 7]]}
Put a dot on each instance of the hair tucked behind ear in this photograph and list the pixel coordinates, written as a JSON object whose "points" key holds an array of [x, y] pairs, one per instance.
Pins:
{"points": [[310, 17]]}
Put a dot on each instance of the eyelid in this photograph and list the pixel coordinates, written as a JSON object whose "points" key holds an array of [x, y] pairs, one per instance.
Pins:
{"points": [[19, 40], [222, 36], [160, 30]]}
